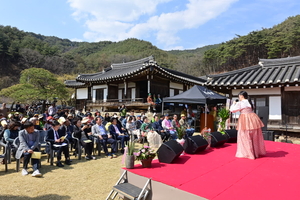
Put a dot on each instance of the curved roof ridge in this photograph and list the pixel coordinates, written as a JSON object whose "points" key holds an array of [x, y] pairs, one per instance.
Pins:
{"points": [[90, 74], [279, 61], [133, 63], [235, 71], [178, 73]]}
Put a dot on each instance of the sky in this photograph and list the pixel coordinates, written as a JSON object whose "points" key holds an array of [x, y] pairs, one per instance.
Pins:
{"points": [[167, 24]]}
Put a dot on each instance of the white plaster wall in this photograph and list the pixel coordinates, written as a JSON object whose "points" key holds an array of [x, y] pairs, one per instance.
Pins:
{"points": [[105, 93], [120, 95], [171, 92], [275, 107], [82, 93], [94, 95], [133, 94]]}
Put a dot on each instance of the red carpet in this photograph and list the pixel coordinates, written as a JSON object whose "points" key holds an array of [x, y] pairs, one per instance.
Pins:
{"points": [[218, 174]]}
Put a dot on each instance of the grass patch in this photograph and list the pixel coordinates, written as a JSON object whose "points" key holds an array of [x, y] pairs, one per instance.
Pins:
{"points": [[83, 179]]}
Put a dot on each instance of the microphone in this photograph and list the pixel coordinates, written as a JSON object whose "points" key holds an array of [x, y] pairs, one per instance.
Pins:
{"points": [[236, 100]]}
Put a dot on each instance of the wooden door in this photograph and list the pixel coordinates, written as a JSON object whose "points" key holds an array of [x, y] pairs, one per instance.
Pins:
{"points": [[291, 108]]}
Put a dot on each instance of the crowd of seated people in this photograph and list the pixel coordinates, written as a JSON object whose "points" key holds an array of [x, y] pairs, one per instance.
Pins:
{"points": [[62, 128]]}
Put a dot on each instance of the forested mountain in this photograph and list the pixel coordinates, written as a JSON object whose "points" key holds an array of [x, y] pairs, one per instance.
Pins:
{"points": [[21, 50], [282, 40]]}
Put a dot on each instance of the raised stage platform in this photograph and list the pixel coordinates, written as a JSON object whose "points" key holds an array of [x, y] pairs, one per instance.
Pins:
{"points": [[217, 174]]}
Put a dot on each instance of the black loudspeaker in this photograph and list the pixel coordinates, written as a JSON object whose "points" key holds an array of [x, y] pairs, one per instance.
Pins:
{"points": [[232, 134], [195, 144], [169, 151], [218, 139]]}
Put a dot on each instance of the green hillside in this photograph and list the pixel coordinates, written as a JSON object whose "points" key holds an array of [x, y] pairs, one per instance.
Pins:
{"points": [[280, 41], [21, 50]]}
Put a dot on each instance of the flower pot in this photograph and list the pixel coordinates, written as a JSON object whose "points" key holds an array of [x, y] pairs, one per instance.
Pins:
{"points": [[146, 163], [181, 141], [129, 161]]}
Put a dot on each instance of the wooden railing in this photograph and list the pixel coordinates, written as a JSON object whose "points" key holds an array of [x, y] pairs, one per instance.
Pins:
{"points": [[118, 102]]}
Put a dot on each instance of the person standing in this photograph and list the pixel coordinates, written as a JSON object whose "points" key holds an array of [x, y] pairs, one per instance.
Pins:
{"points": [[52, 110], [123, 112], [250, 143], [4, 110]]}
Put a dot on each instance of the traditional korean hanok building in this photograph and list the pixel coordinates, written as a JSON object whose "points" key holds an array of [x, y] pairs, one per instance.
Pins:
{"points": [[129, 83], [273, 85]]}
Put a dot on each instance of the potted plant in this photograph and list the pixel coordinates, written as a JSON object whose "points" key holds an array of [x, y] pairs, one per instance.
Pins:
{"points": [[181, 131], [223, 114], [129, 158], [145, 155]]}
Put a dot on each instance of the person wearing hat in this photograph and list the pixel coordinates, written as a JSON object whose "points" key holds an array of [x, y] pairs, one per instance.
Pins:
{"points": [[189, 131], [48, 123], [59, 143], [82, 131], [41, 121], [17, 116], [10, 117], [167, 125], [34, 120], [150, 101], [66, 129]]}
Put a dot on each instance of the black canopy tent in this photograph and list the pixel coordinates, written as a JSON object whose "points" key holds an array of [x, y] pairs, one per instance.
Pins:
{"points": [[196, 95]]}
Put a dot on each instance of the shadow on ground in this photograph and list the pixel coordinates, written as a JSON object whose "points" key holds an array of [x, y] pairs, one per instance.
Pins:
{"points": [[43, 197]]}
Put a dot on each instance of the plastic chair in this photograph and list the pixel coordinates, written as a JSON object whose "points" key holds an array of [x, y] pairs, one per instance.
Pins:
{"points": [[4, 155], [78, 148]]}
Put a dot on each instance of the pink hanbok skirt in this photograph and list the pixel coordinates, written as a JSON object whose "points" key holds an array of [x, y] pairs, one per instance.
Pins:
{"points": [[250, 143]]}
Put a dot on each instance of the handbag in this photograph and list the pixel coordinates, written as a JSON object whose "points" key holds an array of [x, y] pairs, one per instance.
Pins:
{"points": [[36, 155]]}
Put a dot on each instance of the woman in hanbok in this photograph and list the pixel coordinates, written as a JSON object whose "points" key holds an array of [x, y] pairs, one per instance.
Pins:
{"points": [[250, 143]]}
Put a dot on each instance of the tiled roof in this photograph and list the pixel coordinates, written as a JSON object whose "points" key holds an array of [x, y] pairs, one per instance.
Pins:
{"points": [[267, 72], [123, 70], [74, 84]]}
